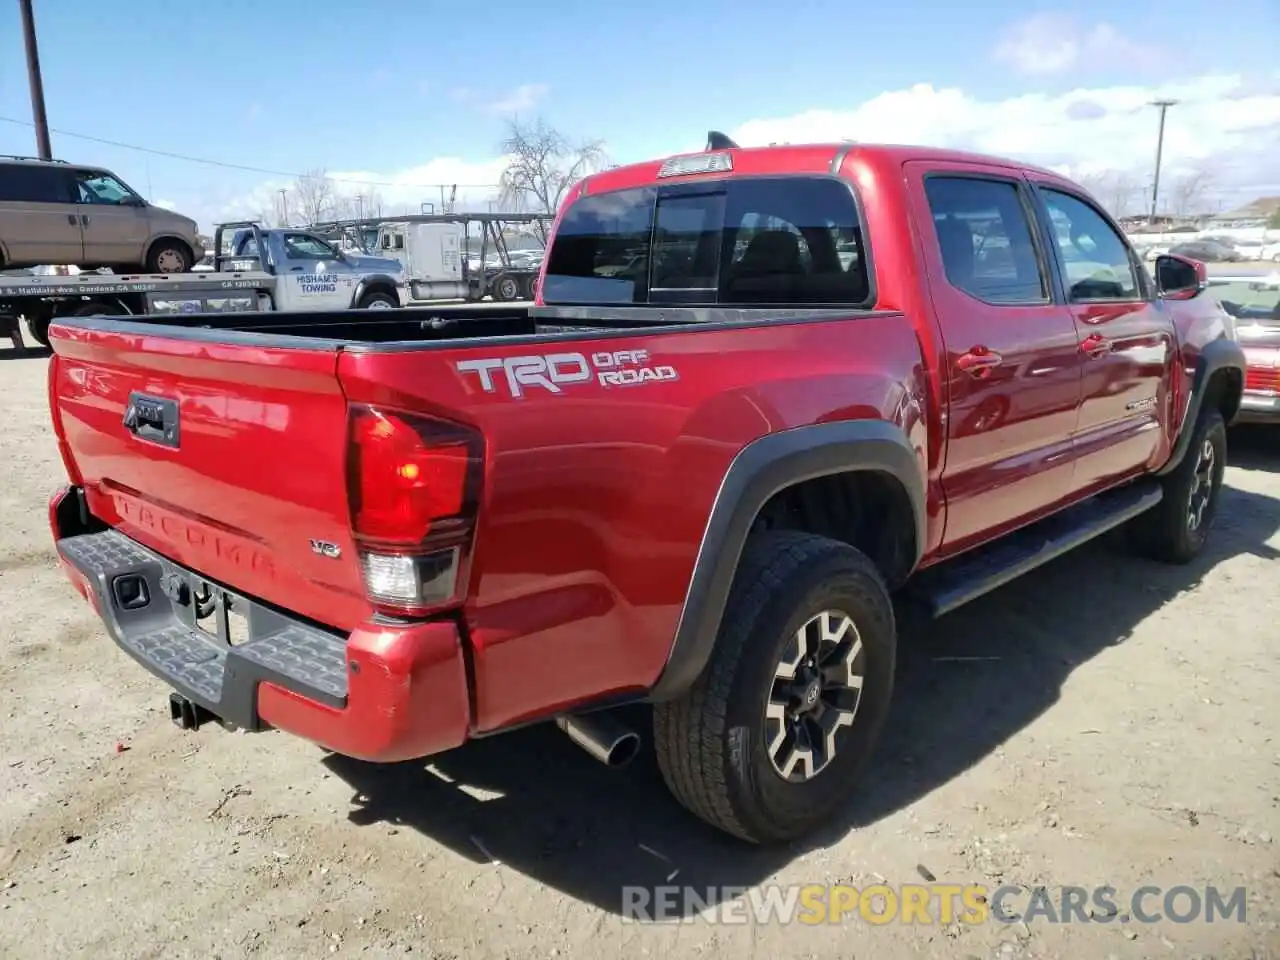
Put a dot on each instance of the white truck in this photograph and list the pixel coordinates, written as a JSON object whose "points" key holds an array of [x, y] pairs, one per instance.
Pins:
{"points": [[261, 269], [454, 256]]}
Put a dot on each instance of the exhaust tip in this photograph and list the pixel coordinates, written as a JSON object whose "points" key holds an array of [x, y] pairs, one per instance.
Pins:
{"points": [[624, 750], [602, 737]]}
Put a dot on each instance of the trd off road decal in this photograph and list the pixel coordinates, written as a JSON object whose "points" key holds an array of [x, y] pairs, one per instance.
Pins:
{"points": [[551, 371]]}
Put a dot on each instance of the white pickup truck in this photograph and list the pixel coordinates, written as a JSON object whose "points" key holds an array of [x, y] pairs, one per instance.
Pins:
{"points": [[265, 269]]}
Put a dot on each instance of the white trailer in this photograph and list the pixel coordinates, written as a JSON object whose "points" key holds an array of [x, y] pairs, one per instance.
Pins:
{"points": [[435, 250]]}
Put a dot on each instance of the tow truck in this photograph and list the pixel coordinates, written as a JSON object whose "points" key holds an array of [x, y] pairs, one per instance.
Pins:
{"points": [[258, 269], [435, 247]]}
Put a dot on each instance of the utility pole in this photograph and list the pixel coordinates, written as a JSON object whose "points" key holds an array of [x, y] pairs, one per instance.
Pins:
{"points": [[33, 78], [284, 206], [1162, 106]]}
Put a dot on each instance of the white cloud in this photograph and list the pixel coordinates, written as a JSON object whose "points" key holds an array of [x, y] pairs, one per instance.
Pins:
{"points": [[1227, 124], [1050, 43], [399, 192], [520, 100]]}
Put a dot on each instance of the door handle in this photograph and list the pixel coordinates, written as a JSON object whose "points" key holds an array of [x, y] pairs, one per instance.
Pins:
{"points": [[979, 362], [84, 219], [296, 269], [1095, 345], [71, 219]]}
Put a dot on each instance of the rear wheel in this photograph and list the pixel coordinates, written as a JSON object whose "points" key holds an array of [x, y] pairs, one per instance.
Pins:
{"points": [[505, 287], [1176, 529], [772, 737], [528, 286], [40, 326], [169, 256]]}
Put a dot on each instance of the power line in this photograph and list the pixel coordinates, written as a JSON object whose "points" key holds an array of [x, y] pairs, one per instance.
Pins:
{"points": [[239, 166]]}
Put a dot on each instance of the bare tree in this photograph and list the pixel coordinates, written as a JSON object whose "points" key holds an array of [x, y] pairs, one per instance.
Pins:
{"points": [[1190, 191], [1118, 193], [542, 165], [314, 197], [1114, 189]]}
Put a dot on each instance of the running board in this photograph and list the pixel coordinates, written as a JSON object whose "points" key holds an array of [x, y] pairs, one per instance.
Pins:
{"points": [[954, 583]]}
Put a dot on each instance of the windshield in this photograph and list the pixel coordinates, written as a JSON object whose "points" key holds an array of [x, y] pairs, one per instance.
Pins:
{"points": [[740, 242], [1253, 301]]}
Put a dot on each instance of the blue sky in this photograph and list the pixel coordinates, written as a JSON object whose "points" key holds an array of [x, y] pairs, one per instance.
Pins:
{"points": [[288, 86]]}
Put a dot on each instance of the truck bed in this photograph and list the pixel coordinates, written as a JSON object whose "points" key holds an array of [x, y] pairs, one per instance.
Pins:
{"points": [[421, 325]]}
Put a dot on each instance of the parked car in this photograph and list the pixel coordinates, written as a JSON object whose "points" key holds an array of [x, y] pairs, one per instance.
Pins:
{"points": [[1209, 251], [694, 474], [1255, 304], [54, 212]]}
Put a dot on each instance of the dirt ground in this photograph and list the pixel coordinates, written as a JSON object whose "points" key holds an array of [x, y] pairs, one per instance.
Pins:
{"points": [[1102, 721]]}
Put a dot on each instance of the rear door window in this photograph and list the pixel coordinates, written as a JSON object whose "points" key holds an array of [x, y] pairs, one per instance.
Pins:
{"points": [[740, 242], [984, 235], [28, 183]]}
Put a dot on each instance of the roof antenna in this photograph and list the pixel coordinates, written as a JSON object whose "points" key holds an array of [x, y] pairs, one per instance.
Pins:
{"points": [[719, 141]]}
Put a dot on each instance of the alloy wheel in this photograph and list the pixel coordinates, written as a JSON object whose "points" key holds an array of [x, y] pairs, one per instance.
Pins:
{"points": [[1201, 486], [814, 698]]}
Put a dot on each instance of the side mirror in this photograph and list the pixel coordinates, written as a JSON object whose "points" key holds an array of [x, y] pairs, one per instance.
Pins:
{"points": [[1180, 278]]}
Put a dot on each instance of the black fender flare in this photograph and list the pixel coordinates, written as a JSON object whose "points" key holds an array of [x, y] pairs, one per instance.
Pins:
{"points": [[375, 280], [760, 470], [1215, 356]]}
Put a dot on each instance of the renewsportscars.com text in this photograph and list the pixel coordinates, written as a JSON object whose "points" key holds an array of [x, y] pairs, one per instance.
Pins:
{"points": [[932, 903]]}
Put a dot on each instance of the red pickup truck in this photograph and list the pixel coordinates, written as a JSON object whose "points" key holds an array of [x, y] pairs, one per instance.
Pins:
{"points": [[761, 392]]}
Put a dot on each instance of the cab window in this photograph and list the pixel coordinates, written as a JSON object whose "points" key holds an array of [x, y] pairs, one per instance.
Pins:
{"points": [[1096, 263], [301, 246], [983, 232], [739, 242]]}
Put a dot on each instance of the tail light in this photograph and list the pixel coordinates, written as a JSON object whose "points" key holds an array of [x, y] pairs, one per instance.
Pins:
{"points": [[55, 417], [1262, 379], [413, 483]]}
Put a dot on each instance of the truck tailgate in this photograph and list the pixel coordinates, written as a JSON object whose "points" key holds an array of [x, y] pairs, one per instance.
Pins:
{"points": [[181, 445]]}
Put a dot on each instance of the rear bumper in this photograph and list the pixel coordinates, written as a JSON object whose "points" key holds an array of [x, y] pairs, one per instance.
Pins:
{"points": [[1258, 407], [383, 693]]}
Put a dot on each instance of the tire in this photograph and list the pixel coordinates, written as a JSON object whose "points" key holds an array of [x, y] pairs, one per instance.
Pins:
{"points": [[505, 287], [527, 286], [98, 310], [169, 256], [713, 743], [39, 328], [378, 301], [1176, 529]]}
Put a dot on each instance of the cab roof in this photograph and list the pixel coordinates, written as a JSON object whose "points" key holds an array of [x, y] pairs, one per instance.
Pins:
{"points": [[809, 158]]}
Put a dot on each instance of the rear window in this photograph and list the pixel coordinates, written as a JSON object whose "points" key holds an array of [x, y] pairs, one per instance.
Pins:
{"points": [[29, 183], [740, 242]]}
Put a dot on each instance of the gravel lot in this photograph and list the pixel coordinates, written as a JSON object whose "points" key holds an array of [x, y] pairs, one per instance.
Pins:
{"points": [[1118, 726]]}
